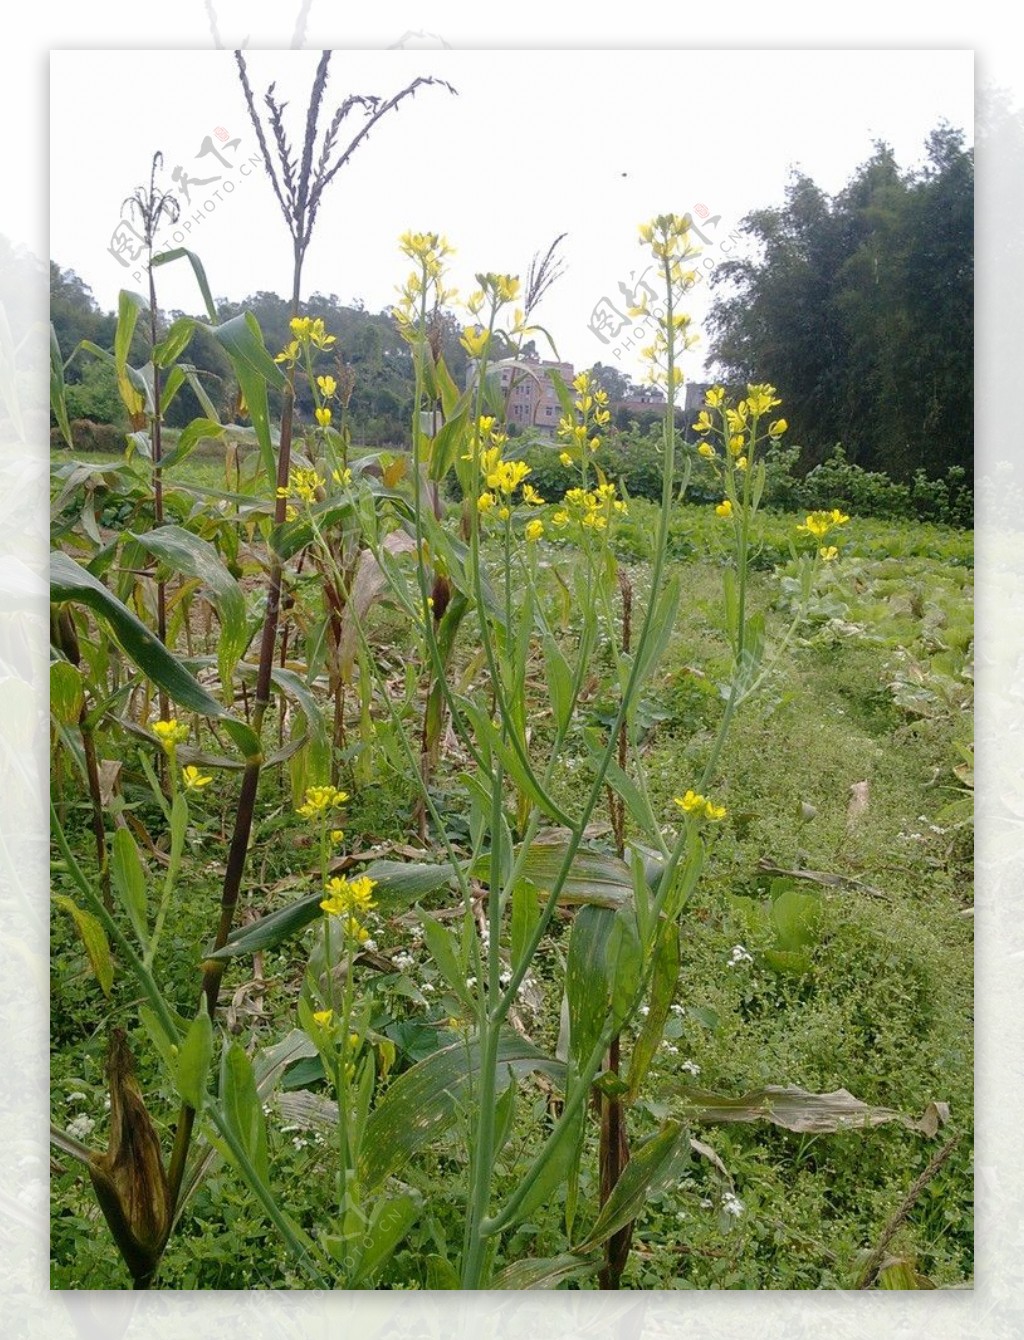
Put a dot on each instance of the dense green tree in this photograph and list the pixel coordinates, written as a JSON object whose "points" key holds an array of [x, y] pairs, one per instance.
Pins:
{"points": [[859, 309]]}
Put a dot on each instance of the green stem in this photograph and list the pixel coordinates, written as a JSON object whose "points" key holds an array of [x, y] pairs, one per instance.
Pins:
{"points": [[141, 973]]}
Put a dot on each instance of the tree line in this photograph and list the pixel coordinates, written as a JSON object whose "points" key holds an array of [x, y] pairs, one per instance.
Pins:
{"points": [[859, 308]]}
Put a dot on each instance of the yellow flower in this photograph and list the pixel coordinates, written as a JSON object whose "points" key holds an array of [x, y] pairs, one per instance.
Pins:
{"points": [[337, 835], [818, 524], [760, 399], [828, 552], [724, 509], [300, 326], [485, 502], [320, 799], [327, 386], [777, 428], [342, 477], [534, 530], [194, 780], [507, 287], [736, 443], [349, 897], [565, 459], [737, 418], [703, 424], [714, 396], [699, 807], [531, 496], [741, 464], [323, 1018], [475, 340], [302, 483], [170, 733], [560, 518], [707, 451], [319, 336], [323, 416]]}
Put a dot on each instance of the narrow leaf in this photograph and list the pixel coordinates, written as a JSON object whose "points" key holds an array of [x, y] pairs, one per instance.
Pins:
{"points": [[67, 692], [422, 1102], [663, 987], [94, 938], [194, 1060], [444, 949], [189, 438], [794, 1109], [241, 1107], [595, 878], [389, 1223], [130, 881], [545, 1272], [58, 394], [71, 582], [195, 557], [657, 1161], [164, 257]]}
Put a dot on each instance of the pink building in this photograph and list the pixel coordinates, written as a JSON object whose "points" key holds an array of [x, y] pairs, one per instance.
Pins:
{"points": [[529, 395]]}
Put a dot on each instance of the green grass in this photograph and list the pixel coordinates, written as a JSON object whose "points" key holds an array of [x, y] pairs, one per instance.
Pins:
{"points": [[877, 690]]}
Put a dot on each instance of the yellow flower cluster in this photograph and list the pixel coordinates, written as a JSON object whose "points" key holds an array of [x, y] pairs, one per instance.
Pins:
{"points": [[736, 427], [319, 800], [696, 806], [349, 900], [429, 249], [591, 406], [591, 509], [303, 483], [668, 236], [170, 733], [818, 524], [423, 289], [495, 291], [306, 331]]}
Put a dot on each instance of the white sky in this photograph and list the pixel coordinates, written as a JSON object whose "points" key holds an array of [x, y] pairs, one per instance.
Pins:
{"points": [[537, 143]]}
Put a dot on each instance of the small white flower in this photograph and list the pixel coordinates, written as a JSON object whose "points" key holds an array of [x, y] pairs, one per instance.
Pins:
{"points": [[428, 987], [471, 982], [739, 955], [504, 978], [691, 1067], [81, 1127], [668, 1047], [644, 1010], [677, 1009], [705, 1204], [370, 945], [75, 1097], [732, 1204]]}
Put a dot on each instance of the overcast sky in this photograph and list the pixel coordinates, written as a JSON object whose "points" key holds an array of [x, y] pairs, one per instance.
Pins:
{"points": [[536, 143]]}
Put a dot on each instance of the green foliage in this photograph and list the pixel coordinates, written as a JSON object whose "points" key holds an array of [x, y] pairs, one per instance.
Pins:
{"points": [[859, 307]]}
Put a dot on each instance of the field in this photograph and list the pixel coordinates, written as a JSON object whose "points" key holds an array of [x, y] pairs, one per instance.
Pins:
{"points": [[824, 943]]}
